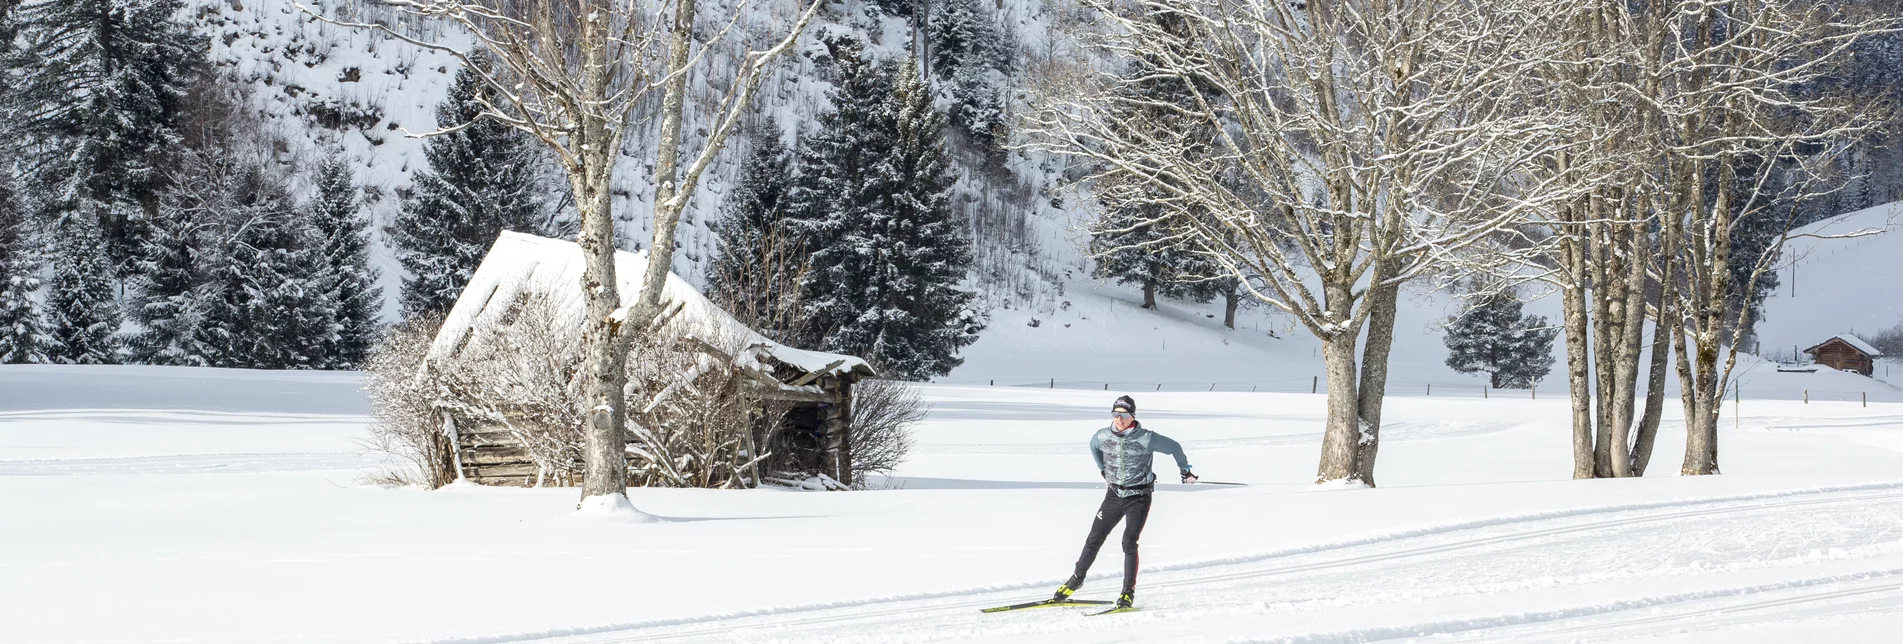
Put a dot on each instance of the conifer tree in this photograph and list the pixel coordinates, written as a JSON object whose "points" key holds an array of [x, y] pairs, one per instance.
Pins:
{"points": [[1492, 335], [482, 180], [102, 83], [288, 309], [752, 274], [874, 206], [1129, 244], [170, 274], [339, 220], [80, 307], [964, 34], [22, 332]]}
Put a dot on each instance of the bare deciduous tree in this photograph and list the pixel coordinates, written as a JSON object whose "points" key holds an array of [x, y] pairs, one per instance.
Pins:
{"points": [[571, 73], [1351, 147]]}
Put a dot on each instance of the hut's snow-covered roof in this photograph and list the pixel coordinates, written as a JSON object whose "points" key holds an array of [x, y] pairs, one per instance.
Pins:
{"points": [[1853, 341], [519, 264]]}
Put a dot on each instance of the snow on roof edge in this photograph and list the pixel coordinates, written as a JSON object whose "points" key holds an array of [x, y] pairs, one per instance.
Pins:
{"points": [[517, 262], [1852, 340]]}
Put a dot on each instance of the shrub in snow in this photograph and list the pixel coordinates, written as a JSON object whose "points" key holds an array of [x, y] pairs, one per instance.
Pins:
{"points": [[883, 414], [406, 424]]}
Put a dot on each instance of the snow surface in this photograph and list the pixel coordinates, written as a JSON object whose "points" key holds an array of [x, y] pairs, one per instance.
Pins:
{"points": [[148, 504]]}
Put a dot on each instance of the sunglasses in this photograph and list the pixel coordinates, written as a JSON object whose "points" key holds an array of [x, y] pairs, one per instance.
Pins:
{"points": [[1123, 415]]}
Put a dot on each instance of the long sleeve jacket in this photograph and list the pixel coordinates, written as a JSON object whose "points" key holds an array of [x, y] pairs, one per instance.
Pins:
{"points": [[1125, 459]]}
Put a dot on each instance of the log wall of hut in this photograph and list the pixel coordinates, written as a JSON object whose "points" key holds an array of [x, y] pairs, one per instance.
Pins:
{"points": [[816, 431]]}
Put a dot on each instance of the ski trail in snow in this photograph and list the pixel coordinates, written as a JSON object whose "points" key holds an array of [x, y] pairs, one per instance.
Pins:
{"points": [[184, 464], [1420, 562]]}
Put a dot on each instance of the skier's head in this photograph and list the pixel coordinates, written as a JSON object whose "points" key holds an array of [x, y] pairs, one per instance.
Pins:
{"points": [[1123, 413]]}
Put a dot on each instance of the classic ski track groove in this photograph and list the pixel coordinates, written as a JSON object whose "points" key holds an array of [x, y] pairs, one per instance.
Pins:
{"points": [[1751, 503], [1711, 618]]}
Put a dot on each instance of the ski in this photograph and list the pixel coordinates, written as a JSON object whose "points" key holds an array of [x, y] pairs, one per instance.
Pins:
{"points": [[1048, 603], [1221, 483], [1119, 609]]}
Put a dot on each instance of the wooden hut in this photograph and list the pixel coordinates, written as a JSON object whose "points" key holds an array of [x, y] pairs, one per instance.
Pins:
{"points": [[1846, 352], [817, 385]]}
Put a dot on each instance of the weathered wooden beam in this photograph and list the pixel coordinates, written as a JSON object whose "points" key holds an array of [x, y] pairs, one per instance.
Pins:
{"points": [[790, 395], [814, 375]]}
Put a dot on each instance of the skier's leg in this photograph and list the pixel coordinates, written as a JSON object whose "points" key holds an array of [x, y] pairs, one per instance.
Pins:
{"points": [[1137, 513], [1108, 513]]}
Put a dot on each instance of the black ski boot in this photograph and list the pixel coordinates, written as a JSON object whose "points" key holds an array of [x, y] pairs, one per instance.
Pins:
{"points": [[1126, 599], [1064, 592]]}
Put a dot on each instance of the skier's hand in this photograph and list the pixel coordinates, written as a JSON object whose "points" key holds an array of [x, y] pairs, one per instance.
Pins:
{"points": [[1189, 477]]}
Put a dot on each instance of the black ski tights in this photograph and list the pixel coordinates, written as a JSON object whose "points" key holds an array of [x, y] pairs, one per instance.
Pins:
{"points": [[1134, 508]]}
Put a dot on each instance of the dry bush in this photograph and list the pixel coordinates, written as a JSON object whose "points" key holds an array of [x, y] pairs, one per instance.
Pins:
{"points": [[693, 420], [883, 413], [405, 423], [522, 377]]}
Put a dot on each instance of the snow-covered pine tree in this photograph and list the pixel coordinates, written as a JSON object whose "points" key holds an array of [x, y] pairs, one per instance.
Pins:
{"points": [[1492, 335], [80, 307], [482, 180], [887, 252], [339, 221], [977, 104], [22, 331], [102, 82], [1139, 243], [752, 275], [288, 311], [963, 33], [171, 270]]}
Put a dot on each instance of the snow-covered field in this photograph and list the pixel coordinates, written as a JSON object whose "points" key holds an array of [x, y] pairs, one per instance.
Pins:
{"points": [[159, 504]]}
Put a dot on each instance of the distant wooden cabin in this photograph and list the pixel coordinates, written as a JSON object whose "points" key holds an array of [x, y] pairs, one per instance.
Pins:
{"points": [[817, 385], [1846, 352]]}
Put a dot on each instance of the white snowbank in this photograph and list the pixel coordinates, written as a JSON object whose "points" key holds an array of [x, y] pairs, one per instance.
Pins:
{"points": [[612, 507]]}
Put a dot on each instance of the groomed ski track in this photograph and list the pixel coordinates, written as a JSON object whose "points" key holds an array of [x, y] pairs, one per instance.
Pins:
{"points": [[1588, 574]]}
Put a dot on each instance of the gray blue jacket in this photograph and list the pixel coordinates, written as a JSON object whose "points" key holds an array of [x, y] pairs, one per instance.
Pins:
{"points": [[1124, 459]]}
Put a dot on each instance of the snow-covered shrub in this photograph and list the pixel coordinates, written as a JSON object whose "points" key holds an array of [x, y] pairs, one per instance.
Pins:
{"points": [[883, 413], [406, 424], [694, 421]]}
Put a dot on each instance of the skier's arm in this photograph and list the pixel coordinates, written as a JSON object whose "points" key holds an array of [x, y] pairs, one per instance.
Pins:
{"points": [[1167, 445], [1096, 452]]}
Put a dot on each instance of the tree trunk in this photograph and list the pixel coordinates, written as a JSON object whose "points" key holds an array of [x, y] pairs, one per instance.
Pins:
{"points": [[670, 197], [1647, 435], [1382, 302], [604, 366], [1625, 366], [1341, 436], [1149, 294], [1580, 389], [1229, 301]]}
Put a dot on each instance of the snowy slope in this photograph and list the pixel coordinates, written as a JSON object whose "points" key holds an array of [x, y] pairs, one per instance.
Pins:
{"points": [[1830, 286], [155, 504]]}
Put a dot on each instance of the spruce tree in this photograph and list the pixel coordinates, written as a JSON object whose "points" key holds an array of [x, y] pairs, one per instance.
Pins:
{"points": [[340, 222], [1492, 335], [288, 309], [80, 307], [22, 332], [874, 206], [963, 34], [170, 274], [1139, 241], [482, 180], [103, 82], [751, 274]]}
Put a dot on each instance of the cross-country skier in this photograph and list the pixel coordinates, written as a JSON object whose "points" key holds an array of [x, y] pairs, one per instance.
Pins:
{"points": [[1123, 452]]}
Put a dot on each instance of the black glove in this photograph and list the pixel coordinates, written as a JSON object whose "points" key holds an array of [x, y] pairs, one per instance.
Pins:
{"points": [[1189, 477]]}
